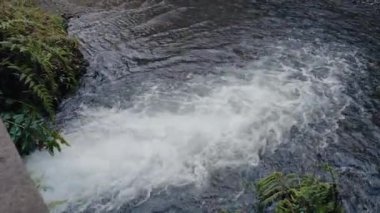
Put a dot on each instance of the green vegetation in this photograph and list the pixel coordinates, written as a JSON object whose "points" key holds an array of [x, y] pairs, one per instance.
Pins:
{"points": [[39, 65], [292, 193]]}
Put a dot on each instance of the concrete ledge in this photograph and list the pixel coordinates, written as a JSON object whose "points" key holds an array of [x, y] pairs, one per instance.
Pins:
{"points": [[17, 191]]}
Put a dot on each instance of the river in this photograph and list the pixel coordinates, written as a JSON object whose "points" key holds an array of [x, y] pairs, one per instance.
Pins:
{"points": [[186, 101]]}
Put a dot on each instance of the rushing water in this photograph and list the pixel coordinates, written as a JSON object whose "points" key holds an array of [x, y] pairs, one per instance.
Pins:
{"points": [[186, 101]]}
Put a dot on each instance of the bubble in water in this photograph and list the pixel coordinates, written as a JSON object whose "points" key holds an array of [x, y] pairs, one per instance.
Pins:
{"points": [[177, 135]]}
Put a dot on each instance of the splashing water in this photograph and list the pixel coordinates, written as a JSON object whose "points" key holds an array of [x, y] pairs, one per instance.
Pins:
{"points": [[178, 135]]}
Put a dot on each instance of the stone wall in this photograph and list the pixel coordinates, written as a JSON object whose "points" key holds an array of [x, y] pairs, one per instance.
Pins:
{"points": [[17, 191]]}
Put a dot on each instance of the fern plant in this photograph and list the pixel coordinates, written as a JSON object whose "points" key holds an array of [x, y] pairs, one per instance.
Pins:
{"points": [[39, 65], [291, 193]]}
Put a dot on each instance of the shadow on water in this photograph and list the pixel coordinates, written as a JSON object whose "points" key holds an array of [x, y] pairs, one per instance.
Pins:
{"points": [[134, 45]]}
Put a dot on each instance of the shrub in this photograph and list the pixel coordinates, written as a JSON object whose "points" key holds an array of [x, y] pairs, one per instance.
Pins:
{"points": [[30, 131], [39, 65], [292, 193]]}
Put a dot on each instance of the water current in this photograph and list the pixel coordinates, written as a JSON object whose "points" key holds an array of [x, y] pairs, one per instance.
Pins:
{"points": [[185, 102]]}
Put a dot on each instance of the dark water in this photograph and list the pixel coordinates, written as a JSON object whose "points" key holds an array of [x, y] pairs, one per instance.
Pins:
{"points": [[133, 46]]}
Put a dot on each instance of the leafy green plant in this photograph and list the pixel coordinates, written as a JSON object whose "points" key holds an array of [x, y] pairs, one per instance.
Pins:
{"points": [[291, 193], [39, 65], [29, 131]]}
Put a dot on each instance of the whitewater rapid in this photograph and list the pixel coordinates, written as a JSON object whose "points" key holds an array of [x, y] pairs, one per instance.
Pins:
{"points": [[175, 135]]}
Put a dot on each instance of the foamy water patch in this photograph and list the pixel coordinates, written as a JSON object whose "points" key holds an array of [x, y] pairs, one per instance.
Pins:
{"points": [[177, 136]]}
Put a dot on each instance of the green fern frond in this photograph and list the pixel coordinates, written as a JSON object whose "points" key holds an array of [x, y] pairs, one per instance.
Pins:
{"points": [[292, 193], [38, 64]]}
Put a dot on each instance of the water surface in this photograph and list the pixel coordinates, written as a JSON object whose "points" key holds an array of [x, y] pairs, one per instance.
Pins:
{"points": [[184, 102]]}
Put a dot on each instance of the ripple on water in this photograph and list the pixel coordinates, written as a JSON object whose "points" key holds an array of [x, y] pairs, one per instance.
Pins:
{"points": [[180, 95], [177, 134]]}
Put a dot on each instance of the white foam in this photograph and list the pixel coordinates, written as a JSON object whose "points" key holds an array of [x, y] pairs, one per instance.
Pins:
{"points": [[177, 136]]}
